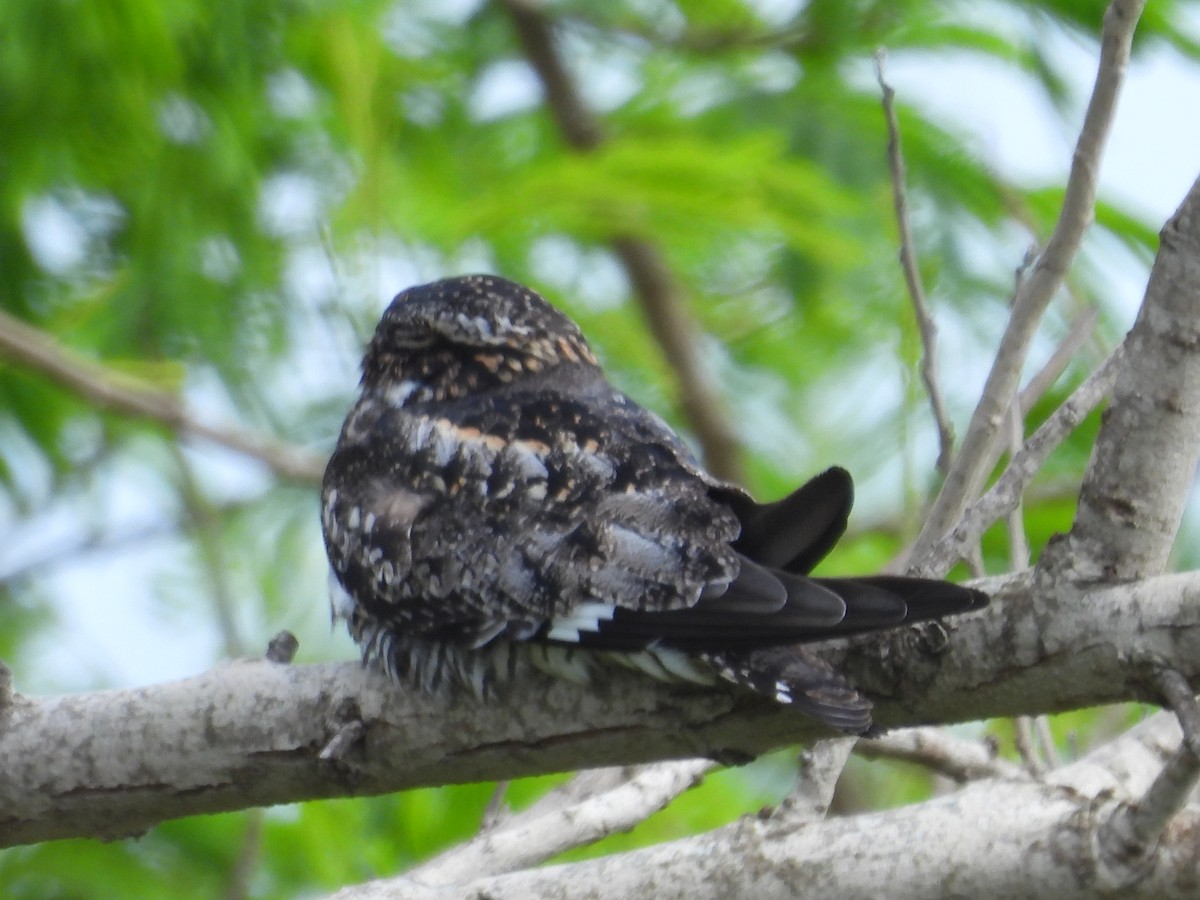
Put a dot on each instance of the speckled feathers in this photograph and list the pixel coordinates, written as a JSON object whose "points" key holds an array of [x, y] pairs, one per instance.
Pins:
{"points": [[490, 490]]}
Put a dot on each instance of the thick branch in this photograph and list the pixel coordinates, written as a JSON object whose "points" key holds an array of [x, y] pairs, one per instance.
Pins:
{"points": [[35, 350], [994, 838], [1145, 456], [251, 733]]}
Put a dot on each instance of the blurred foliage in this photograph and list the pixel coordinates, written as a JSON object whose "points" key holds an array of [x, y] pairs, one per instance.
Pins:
{"points": [[218, 198]]}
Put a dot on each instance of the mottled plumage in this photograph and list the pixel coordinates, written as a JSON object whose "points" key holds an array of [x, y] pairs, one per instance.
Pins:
{"points": [[491, 490]]}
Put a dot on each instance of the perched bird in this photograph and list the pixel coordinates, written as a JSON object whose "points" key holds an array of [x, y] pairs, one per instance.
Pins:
{"points": [[492, 495]]}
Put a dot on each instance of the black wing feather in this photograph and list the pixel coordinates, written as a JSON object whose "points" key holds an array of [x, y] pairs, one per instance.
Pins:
{"points": [[771, 602], [796, 532]]}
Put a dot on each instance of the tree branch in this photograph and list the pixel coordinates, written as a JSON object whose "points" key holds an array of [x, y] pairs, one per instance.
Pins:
{"points": [[114, 391], [1005, 495], [912, 275], [970, 469], [937, 749], [1144, 461], [993, 838], [251, 733], [528, 840]]}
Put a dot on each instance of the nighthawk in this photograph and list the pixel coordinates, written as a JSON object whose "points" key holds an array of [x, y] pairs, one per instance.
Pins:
{"points": [[492, 495]]}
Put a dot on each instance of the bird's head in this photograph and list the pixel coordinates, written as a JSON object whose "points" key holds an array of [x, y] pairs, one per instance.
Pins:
{"points": [[446, 338]]}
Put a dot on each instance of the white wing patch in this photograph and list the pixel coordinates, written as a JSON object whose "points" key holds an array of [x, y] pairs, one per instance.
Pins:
{"points": [[584, 617]]}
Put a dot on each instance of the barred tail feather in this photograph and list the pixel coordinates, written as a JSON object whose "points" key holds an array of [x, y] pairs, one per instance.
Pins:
{"points": [[793, 677]]}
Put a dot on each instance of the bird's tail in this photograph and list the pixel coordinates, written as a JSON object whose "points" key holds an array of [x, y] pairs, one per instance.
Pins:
{"points": [[792, 676]]}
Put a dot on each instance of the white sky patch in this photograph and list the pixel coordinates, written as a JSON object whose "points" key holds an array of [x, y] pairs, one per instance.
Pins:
{"points": [[291, 95], [591, 276], [607, 73], [182, 121], [289, 204], [56, 239], [412, 28], [219, 259], [504, 88]]}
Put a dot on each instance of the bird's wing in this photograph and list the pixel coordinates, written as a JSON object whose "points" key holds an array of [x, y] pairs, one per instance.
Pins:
{"points": [[564, 512], [505, 511], [795, 532]]}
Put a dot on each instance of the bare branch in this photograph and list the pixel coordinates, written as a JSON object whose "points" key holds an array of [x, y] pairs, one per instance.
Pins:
{"points": [[970, 469], [531, 840], [1080, 330], [939, 750], [67, 552], [1134, 829], [106, 389], [820, 768], [1023, 738], [1023, 838], [1041, 727], [246, 862], [1018, 544], [1180, 697], [658, 291], [1144, 461], [251, 733], [1005, 495], [204, 520], [1044, 379], [912, 275]]}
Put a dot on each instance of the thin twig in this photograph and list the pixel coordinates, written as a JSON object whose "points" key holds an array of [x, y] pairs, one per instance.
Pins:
{"points": [[1077, 335], [1041, 727], [1018, 544], [206, 531], [655, 286], [114, 391], [969, 470], [1078, 332], [1006, 493], [1023, 740], [942, 752], [912, 274], [246, 861], [497, 809]]}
